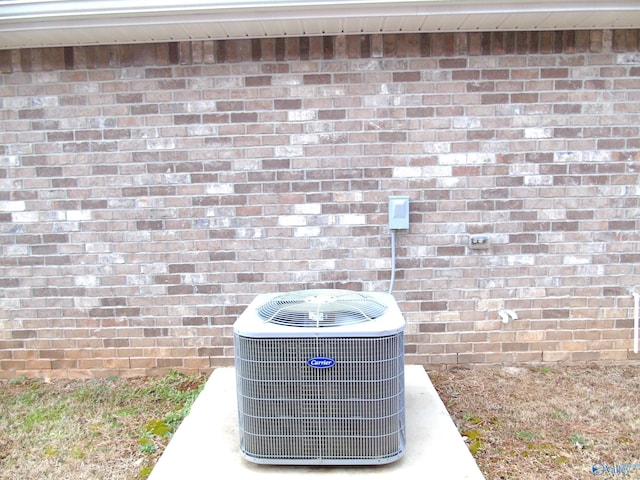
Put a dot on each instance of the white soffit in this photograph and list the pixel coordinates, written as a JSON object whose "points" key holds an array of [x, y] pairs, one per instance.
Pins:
{"points": [[43, 23]]}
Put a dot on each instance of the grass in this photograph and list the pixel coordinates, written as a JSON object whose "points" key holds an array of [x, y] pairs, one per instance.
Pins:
{"points": [[103, 429], [552, 423], [519, 423]]}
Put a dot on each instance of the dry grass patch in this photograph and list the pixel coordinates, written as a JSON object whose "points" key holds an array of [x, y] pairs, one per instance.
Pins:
{"points": [[552, 423], [103, 429], [519, 423]]}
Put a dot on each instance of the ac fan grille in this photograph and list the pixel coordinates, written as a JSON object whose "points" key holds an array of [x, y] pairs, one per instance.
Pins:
{"points": [[321, 308], [352, 412]]}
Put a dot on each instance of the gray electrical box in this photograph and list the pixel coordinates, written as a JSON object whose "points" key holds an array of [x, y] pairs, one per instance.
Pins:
{"points": [[398, 212]]}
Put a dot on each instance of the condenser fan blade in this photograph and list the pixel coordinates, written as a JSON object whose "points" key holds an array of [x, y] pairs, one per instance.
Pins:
{"points": [[321, 308]]}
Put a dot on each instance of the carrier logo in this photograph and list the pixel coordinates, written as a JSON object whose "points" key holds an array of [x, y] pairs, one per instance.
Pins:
{"points": [[321, 362]]}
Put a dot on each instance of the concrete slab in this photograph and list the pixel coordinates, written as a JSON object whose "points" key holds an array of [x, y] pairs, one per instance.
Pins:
{"points": [[207, 441]]}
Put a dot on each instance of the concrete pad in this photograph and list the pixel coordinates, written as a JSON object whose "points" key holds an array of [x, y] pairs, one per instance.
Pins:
{"points": [[207, 442]]}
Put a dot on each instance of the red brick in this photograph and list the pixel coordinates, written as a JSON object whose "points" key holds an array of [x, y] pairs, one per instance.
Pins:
{"points": [[163, 208]]}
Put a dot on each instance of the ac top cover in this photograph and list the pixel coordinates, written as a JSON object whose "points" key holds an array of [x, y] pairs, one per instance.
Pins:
{"points": [[320, 378]]}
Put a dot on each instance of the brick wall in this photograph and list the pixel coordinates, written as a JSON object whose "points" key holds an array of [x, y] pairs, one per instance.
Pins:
{"points": [[149, 192]]}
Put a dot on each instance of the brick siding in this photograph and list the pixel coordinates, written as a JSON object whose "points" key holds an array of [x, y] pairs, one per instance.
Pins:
{"points": [[149, 192]]}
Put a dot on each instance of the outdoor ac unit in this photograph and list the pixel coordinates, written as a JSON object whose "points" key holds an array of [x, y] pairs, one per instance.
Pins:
{"points": [[320, 378]]}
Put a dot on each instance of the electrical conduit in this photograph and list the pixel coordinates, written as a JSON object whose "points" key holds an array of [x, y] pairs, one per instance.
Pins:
{"points": [[393, 260], [636, 314]]}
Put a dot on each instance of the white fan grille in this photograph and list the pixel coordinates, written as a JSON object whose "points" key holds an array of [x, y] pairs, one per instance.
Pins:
{"points": [[321, 308]]}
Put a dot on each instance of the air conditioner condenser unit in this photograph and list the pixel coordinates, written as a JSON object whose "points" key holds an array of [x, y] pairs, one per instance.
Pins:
{"points": [[320, 378]]}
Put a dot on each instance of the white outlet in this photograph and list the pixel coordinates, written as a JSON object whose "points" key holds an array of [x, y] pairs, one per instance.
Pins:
{"points": [[479, 242]]}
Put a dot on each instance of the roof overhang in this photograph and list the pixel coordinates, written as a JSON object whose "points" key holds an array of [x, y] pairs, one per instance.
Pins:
{"points": [[43, 23]]}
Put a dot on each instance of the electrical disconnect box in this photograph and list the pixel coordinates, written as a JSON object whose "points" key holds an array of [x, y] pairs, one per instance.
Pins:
{"points": [[398, 212]]}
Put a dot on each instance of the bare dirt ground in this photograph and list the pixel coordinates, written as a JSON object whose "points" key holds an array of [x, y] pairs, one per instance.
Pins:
{"points": [[519, 423], [547, 423]]}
